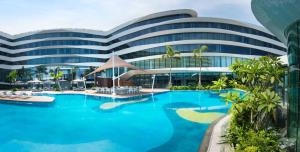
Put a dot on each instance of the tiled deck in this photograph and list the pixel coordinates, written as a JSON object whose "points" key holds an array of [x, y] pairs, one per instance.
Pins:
{"points": [[93, 92]]}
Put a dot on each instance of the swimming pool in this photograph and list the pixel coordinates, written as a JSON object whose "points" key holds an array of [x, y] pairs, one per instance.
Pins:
{"points": [[160, 123]]}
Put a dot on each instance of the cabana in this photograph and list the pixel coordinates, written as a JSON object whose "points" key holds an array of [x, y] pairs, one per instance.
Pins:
{"points": [[80, 85], [114, 62], [47, 85], [34, 84]]}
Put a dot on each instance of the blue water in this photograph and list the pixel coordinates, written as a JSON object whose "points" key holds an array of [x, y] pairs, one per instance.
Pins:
{"points": [[75, 123]]}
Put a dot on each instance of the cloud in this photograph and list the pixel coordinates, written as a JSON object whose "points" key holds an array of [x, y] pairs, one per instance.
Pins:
{"points": [[27, 15]]}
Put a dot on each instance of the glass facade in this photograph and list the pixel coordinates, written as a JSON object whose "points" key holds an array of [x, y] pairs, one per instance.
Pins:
{"points": [[293, 35], [185, 62]]}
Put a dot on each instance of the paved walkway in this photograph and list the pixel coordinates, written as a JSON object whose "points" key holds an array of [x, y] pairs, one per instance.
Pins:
{"points": [[215, 139]]}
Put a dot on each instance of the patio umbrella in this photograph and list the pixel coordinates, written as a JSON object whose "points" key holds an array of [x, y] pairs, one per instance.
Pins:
{"points": [[114, 61]]}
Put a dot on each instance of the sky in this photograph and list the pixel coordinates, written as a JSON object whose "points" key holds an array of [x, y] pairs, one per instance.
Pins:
{"points": [[18, 16]]}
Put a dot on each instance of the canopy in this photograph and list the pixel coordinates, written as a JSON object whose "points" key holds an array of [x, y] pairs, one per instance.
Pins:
{"points": [[118, 62], [35, 81]]}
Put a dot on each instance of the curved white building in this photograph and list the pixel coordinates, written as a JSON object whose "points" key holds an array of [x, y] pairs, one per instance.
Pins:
{"points": [[141, 42]]}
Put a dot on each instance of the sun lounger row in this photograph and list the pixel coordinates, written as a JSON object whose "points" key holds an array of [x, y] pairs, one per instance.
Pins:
{"points": [[119, 90], [11, 95], [78, 89]]}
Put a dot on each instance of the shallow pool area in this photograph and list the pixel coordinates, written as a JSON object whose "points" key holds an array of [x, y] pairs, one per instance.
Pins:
{"points": [[174, 121]]}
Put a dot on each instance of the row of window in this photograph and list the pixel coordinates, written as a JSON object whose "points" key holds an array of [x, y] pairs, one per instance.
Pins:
{"points": [[188, 48], [225, 26], [86, 35], [184, 48], [152, 21], [211, 61], [149, 30], [199, 36], [54, 60], [152, 40]]}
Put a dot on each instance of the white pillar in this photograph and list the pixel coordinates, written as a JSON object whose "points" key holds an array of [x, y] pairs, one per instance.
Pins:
{"points": [[118, 76], [113, 72]]}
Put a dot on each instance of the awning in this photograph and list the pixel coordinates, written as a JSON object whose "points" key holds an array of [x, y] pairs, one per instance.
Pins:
{"points": [[118, 62]]}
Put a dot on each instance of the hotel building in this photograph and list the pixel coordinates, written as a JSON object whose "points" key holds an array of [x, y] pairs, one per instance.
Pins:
{"points": [[142, 42]]}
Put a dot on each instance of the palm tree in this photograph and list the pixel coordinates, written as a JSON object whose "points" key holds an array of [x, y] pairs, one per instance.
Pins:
{"points": [[56, 75], [40, 70], [170, 55], [21, 73], [198, 55], [74, 71], [12, 76]]}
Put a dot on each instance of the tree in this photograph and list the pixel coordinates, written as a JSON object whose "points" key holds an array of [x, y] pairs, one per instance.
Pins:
{"points": [[255, 111], [21, 73], [171, 55], [74, 71], [40, 71], [12, 76], [56, 75], [198, 56]]}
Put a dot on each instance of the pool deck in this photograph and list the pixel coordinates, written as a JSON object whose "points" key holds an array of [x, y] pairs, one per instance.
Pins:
{"points": [[94, 93], [31, 99], [216, 136]]}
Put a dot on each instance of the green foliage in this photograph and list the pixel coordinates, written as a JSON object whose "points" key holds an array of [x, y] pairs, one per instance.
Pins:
{"points": [[74, 71], [255, 112], [14, 89], [259, 141], [198, 56], [56, 87], [40, 71], [171, 55], [24, 74], [12, 76], [56, 75], [262, 73], [220, 84]]}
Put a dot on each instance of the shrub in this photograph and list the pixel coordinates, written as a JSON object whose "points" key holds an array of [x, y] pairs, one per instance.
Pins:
{"points": [[258, 141]]}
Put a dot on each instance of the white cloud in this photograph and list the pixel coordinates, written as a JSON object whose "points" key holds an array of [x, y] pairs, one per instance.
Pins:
{"points": [[26, 15]]}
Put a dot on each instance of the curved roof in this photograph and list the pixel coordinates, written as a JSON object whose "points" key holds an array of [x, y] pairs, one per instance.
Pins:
{"points": [[276, 15], [192, 13], [104, 33]]}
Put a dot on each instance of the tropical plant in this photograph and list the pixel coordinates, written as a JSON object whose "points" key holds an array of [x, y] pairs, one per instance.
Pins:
{"points": [[198, 56], [255, 111], [171, 55], [259, 141], [21, 73], [40, 71], [12, 76], [220, 84], [74, 72], [56, 75], [262, 73]]}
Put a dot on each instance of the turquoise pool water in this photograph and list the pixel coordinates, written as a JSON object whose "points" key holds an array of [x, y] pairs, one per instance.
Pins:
{"points": [[76, 123]]}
